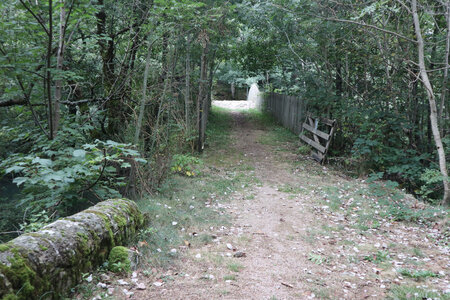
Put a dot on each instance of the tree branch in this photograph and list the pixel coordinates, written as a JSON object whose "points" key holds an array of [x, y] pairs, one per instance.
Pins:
{"points": [[371, 26]]}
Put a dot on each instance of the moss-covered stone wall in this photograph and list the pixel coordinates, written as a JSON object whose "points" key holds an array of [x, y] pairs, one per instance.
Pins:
{"points": [[47, 263]]}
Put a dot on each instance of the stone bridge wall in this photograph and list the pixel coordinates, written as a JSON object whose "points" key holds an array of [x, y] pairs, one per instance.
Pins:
{"points": [[47, 263]]}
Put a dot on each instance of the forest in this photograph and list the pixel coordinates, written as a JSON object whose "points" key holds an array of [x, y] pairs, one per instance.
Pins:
{"points": [[105, 99], [98, 98]]}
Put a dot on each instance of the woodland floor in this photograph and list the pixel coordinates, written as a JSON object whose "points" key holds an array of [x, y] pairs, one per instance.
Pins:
{"points": [[298, 231]]}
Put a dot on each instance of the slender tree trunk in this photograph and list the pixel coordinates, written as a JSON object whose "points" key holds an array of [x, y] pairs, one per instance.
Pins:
{"points": [[446, 67], [202, 90], [233, 91], [144, 96], [59, 67], [187, 92], [432, 102], [48, 78]]}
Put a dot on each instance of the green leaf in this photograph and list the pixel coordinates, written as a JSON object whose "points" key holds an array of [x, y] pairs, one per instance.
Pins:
{"points": [[19, 180], [14, 169], [42, 161], [79, 153]]}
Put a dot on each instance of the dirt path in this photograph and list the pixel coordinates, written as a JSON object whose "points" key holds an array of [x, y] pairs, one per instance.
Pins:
{"points": [[303, 233]]}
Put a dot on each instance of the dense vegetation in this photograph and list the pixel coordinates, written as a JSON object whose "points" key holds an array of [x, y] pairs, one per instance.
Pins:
{"points": [[97, 96]]}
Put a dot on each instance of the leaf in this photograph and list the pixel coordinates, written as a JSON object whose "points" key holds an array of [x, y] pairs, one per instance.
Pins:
{"points": [[125, 165], [42, 161], [79, 153], [19, 180], [14, 169]]}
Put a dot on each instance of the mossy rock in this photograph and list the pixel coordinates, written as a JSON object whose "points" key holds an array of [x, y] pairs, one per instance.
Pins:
{"points": [[119, 260], [47, 263]]}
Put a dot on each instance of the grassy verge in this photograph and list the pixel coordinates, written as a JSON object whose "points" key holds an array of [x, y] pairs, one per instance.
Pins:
{"points": [[186, 207]]}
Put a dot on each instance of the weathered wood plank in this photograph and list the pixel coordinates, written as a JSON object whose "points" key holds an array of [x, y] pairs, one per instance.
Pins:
{"points": [[329, 122], [312, 143], [318, 132], [317, 156]]}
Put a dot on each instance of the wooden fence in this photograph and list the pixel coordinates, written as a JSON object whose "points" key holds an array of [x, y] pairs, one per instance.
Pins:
{"points": [[290, 111]]}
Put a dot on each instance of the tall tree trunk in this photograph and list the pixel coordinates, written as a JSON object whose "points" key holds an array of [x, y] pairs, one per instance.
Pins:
{"points": [[202, 89], [446, 67], [59, 67], [432, 102], [107, 51], [144, 96], [48, 77], [187, 92]]}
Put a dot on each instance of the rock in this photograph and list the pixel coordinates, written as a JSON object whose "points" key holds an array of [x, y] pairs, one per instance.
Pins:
{"points": [[104, 277], [67, 248], [134, 275], [240, 254], [102, 285], [229, 246], [110, 291], [158, 283], [98, 297], [122, 282], [141, 286], [89, 278], [127, 293], [198, 255]]}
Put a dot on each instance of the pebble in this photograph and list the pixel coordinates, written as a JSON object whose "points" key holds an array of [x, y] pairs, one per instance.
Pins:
{"points": [[141, 286], [127, 292], [105, 277], [102, 285], [122, 282], [157, 283]]}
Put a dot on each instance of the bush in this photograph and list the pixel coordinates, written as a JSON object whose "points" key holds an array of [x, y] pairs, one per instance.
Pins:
{"points": [[185, 164], [67, 173]]}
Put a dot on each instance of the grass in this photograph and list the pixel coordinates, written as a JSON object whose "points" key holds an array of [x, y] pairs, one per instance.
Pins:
{"points": [[276, 135], [414, 293], [290, 189], [235, 267], [375, 202], [417, 252], [417, 275], [182, 199], [218, 129], [317, 258], [230, 277], [378, 257]]}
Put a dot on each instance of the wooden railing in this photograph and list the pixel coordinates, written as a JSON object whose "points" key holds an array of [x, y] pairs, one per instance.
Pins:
{"points": [[318, 139]]}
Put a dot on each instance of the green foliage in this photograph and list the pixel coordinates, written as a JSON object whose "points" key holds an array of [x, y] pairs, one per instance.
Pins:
{"points": [[35, 222], [66, 171], [404, 292], [417, 275], [185, 164], [235, 267], [378, 257], [317, 258], [431, 183], [304, 150]]}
